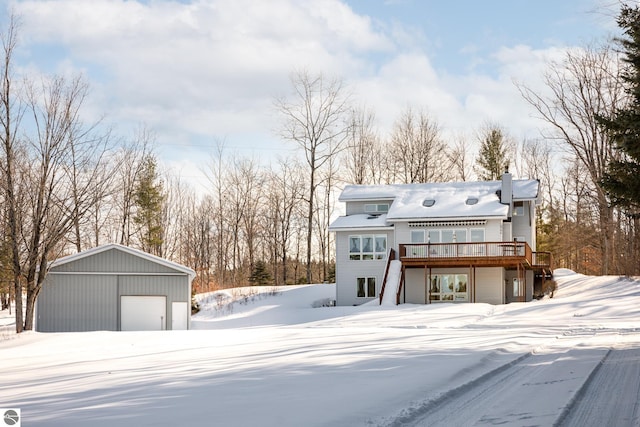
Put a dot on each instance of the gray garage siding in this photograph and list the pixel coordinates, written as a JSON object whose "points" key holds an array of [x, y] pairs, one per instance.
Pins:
{"points": [[82, 292], [78, 303], [113, 261]]}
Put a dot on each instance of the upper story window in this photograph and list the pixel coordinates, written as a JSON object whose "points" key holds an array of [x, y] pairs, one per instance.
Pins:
{"points": [[518, 209], [376, 208], [367, 247], [439, 236], [476, 234]]}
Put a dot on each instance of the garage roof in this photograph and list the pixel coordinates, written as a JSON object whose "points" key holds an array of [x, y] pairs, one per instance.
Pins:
{"points": [[126, 249]]}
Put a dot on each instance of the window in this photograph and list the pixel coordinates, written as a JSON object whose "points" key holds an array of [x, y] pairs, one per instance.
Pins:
{"points": [[518, 209], [417, 236], [517, 288], [476, 235], [366, 287], [453, 236], [367, 247], [472, 201], [427, 203], [448, 288], [376, 208], [446, 236]]}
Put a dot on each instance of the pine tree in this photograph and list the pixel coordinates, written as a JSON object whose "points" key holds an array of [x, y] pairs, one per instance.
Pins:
{"points": [[149, 199], [622, 178], [260, 276], [493, 157]]}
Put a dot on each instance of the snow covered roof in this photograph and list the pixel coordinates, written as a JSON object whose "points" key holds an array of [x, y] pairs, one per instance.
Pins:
{"points": [[451, 200], [448, 202], [369, 192], [360, 221]]}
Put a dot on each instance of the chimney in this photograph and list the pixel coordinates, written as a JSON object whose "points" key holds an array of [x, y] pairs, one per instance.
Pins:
{"points": [[506, 193]]}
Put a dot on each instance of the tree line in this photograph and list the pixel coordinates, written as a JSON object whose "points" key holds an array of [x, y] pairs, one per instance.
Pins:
{"points": [[68, 185]]}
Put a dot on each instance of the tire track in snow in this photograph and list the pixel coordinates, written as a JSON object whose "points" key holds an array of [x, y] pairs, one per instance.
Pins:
{"points": [[611, 395], [531, 390]]}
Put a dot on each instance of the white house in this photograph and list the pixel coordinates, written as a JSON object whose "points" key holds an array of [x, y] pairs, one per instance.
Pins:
{"points": [[451, 242]]}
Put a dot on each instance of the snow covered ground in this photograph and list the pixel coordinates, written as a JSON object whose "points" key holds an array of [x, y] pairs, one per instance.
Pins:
{"points": [[281, 358]]}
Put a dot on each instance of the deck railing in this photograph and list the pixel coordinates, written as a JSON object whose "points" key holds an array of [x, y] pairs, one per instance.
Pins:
{"points": [[543, 260], [466, 251], [462, 250]]}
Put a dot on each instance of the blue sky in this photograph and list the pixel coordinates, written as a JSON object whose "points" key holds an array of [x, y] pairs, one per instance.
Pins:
{"points": [[457, 32], [202, 71]]}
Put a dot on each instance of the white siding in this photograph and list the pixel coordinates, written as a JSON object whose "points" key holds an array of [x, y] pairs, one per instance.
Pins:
{"points": [[524, 226], [347, 271], [493, 231], [490, 285], [415, 286]]}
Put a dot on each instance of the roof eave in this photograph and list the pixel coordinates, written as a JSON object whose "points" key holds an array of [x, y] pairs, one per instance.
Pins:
{"points": [[356, 228], [447, 218], [135, 252]]}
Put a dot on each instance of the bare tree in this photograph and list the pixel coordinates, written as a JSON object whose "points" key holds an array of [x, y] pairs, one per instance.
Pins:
{"points": [[11, 111], [128, 167], [177, 197], [249, 184], [286, 189], [315, 121], [536, 162], [197, 240], [362, 143], [324, 213], [586, 84], [54, 107], [459, 158], [416, 150], [217, 174], [87, 164]]}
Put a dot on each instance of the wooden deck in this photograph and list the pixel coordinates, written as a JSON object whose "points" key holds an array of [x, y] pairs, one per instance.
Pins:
{"points": [[482, 254]]}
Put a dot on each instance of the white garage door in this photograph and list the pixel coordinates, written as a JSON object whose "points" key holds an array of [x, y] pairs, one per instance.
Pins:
{"points": [[143, 313]]}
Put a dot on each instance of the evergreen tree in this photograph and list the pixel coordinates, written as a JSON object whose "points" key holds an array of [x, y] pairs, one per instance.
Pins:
{"points": [[149, 200], [493, 157], [260, 275], [622, 178]]}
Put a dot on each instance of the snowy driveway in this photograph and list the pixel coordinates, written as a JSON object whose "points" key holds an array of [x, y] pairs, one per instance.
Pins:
{"points": [[276, 362]]}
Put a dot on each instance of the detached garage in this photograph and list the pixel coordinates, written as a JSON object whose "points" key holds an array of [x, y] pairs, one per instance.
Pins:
{"points": [[114, 288]]}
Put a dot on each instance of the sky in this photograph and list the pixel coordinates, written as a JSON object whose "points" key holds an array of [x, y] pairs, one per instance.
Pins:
{"points": [[201, 72], [280, 357]]}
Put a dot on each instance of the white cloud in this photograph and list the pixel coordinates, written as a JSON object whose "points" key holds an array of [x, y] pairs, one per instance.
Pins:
{"points": [[165, 59], [211, 69]]}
